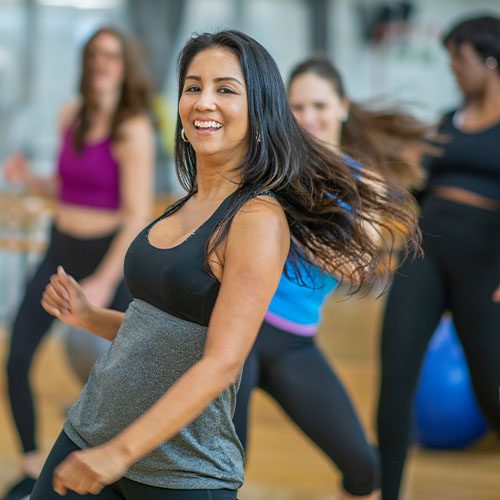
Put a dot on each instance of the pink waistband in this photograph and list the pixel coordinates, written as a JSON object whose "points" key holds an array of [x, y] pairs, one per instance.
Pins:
{"points": [[290, 326]]}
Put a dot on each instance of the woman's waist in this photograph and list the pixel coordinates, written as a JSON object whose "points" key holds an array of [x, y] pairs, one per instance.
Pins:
{"points": [[458, 219], [301, 304], [86, 222], [464, 196], [291, 326]]}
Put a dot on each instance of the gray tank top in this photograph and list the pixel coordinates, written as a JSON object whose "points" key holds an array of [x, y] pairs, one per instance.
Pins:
{"points": [[152, 350]]}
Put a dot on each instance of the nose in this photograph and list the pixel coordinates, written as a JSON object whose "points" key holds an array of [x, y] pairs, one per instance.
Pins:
{"points": [[307, 118], [205, 101], [97, 63]]}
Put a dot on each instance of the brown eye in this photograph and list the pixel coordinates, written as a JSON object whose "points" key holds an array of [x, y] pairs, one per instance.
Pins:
{"points": [[319, 105]]}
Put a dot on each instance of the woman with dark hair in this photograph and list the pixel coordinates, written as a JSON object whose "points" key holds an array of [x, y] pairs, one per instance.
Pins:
{"points": [[387, 140], [155, 418], [285, 361], [103, 187], [460, 270]]}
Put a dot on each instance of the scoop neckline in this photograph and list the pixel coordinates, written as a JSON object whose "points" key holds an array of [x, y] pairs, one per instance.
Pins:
{"points": [[471, 132], [168, 213], [97, 142]]}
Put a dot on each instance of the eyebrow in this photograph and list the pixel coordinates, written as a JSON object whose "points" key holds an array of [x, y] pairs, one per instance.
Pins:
{"points": [[220, 79]]}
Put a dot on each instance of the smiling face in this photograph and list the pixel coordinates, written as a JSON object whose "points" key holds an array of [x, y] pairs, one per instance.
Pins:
{"points": [[317, 107], [213, 107], [471, 72], [104, 63]]}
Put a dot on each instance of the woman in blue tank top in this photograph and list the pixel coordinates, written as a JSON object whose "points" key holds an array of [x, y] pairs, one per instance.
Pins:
{"points": [[154, 420], [285, 361]]}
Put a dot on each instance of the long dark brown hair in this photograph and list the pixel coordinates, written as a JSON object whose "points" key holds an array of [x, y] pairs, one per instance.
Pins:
{"points": [[312, 184], [136, 90], [377, 137]]}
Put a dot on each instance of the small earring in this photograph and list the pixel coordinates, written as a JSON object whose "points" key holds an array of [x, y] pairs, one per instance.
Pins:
{"points": [[258, 137], [344, 117], [491, 62], [183, 136]]}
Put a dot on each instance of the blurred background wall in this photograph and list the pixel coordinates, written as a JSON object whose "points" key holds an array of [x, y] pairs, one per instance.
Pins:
{"points": [[385, 49]]}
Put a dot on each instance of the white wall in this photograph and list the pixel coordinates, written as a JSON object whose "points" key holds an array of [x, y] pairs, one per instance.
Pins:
{"points": [[413, 68]]}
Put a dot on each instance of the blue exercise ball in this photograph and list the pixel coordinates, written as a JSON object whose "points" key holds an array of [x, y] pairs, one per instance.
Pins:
{"points": [[447, 415], [82, 349]]}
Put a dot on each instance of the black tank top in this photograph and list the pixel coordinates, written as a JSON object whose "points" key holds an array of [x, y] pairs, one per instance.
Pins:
{"points": [[175, 279], [469, 160]]}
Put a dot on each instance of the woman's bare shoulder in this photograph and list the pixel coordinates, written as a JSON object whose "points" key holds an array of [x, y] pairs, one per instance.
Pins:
{"points": [[68, 113], [263, 214]]}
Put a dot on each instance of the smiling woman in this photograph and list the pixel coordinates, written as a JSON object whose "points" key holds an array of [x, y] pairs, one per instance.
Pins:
{"points": [[155, 418], [213, 106]]}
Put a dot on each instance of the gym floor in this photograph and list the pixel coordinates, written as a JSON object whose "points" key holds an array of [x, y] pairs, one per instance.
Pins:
{"points": [[283, 464]]}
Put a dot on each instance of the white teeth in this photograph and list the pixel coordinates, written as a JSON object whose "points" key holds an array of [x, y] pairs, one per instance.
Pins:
{"points": [[207, 124]]}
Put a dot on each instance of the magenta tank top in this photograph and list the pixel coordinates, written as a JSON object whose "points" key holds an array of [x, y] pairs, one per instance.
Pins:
{"points": [[90, 178]]}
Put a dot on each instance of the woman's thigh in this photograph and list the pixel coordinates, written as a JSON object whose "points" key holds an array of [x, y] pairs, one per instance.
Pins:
{"points": [[133, 490], [124, 489], [43, 489]]}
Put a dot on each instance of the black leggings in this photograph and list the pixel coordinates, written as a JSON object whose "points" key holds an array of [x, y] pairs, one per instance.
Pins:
{"points": [[124, 489], [459, 272], [79, 257], [294, 372]]}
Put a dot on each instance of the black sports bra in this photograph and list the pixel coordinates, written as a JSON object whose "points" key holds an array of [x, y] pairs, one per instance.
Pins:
{"points": [[175, 279], [468, 160]]}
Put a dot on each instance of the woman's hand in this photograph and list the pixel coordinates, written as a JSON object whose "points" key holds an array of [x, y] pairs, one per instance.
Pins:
{"points": [[89, 471], [64, 298], [16, 169]]}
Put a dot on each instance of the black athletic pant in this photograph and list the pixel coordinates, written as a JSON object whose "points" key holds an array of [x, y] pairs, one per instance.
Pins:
{"points": [[293, 371], [460, 271], [124, 489], [79, 257]]}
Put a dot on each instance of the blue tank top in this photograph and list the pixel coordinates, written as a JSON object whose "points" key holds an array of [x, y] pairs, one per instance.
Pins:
{"points": [[297, 304], [296, 307]]}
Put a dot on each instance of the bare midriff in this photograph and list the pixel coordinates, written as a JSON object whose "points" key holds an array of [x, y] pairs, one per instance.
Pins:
{"points": [[85, 222], [466, 197]]}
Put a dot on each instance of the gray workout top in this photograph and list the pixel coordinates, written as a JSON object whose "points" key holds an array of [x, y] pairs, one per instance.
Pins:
{"points": [[152, 350]]}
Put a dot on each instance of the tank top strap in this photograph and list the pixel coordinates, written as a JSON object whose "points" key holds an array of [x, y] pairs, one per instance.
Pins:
{"points": [[67, 136], [69, 129], [215, 219], [222, 210]]}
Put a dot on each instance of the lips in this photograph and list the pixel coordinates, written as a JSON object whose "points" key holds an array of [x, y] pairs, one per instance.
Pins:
{"points": [[207, 125]]}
